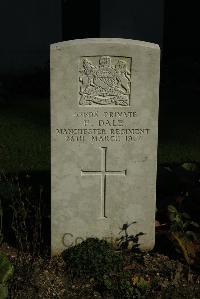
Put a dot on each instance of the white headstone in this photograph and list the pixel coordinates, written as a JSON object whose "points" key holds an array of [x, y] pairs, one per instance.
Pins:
{"points": [[104, 122]]}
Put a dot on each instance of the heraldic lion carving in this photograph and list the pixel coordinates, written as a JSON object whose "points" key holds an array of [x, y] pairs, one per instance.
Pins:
{"points": [[105, 83]]}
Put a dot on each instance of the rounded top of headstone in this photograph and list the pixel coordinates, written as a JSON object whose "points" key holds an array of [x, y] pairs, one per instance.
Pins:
{"points": [[122, 41]]}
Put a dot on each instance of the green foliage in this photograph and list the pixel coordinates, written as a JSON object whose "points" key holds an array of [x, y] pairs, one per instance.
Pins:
{"points": [[1, 223], [3, 291], [182, 234], [120, 286], [6, 272], [142, 284], [126, 286], [127, 241], [191, 167], [6, 269], [181, 222], [93, 258], [96, 259]]}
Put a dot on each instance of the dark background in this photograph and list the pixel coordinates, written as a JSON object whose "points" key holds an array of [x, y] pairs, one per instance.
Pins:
{"points": [[27, 28]]}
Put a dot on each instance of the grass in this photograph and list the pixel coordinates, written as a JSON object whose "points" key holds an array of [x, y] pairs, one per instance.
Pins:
{"points": [[25, 137], [179, 139]]}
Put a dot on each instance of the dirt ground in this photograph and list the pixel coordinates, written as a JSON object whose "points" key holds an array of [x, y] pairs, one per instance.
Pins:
{"points": [[48, 278]]}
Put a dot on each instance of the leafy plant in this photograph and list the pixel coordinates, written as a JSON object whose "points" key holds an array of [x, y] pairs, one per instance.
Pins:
{"points": [[1, 223], [129, 241], [181, 222], [93, 258], [141, 284], [96, 259], [6, 272], [120, 286], [182, 234], [124, 285]]}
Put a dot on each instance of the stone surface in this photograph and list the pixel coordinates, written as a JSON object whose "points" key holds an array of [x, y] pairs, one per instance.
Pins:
{"points": [[104, 126]]}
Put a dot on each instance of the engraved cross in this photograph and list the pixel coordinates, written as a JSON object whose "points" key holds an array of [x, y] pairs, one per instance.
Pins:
{"points": [[103, 174]]}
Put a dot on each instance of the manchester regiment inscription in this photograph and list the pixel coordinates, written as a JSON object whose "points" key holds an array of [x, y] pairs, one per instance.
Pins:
{"points": [[104, 81]]}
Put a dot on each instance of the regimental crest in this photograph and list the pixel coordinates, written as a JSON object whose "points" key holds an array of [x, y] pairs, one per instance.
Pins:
{"points": [[105, 81]]}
